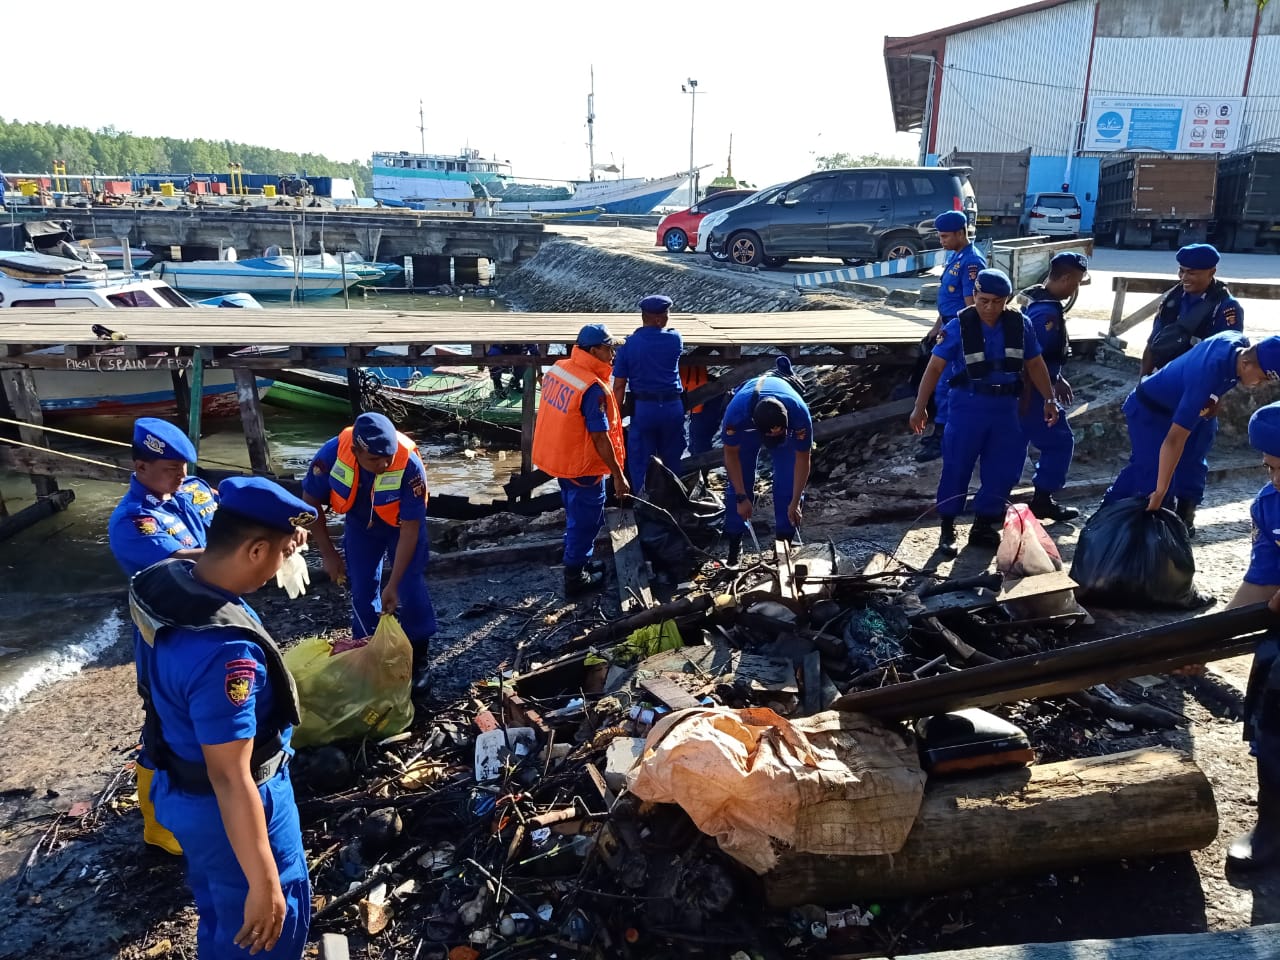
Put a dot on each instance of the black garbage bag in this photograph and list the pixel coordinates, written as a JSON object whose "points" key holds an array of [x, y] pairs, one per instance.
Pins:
{"points": [[675, 530], [1131, 558]]}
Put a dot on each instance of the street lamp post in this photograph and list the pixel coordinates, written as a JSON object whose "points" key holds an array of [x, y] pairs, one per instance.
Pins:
{"points": [[692, 89]]}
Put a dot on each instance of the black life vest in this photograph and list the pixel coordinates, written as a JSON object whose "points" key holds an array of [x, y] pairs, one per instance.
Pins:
{"points": [[1177, 332], [976, 365], [166, 595], [1055, 353]]}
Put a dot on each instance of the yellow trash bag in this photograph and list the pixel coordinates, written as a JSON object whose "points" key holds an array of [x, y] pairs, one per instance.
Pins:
{"points": [[359, 692]]}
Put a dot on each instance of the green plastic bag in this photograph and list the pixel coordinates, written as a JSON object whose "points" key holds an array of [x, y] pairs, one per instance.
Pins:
{"points": [[365, 691]]}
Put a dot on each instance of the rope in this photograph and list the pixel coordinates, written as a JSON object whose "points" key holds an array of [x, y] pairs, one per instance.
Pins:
{"points": [[69, 456]]}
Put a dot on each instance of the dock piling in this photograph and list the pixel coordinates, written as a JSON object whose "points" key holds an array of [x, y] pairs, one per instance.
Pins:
{"points": [[20, 390], [255, 431], [196, 407]]}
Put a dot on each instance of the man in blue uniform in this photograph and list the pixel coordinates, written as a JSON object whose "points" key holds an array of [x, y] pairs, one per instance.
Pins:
{"points": [[372, 475], [1198, 307], [1055, 444], [1166, 408], [955, 292], [705, 417], [650, 361], [164, 514], [994, 348], [220, 706], [767, 412], [1260, 847], [516, 373]]}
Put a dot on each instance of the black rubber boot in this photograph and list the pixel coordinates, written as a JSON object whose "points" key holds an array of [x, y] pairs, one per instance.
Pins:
{"points": [[578, 581], [930, 448], [421, 669], [985, 532], [947, 538], [1185, 509], [1260, 847], [733, 559], [1045, 507]]}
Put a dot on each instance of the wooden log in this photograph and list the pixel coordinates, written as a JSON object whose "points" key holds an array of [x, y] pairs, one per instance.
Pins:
{"points": [[1252, 943], [255, 433], [354, 399], [20, 390], [1030, 820], [620, 628], [29, 516]]}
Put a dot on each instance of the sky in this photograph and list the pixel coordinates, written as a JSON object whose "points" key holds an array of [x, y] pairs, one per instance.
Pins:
{"points": [[509, 79]]}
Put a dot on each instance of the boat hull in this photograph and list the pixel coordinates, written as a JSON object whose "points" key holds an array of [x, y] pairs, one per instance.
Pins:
{"points": [[276, 285], [134, 392]]}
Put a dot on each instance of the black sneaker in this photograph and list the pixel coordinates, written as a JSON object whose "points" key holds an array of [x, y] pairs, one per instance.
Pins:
{"points": [[1045, 507], [421, 671], [578, 581], [985, 532]]}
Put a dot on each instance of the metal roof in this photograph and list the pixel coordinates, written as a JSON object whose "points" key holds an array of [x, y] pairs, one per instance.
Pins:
{"points": [[907, 62]]}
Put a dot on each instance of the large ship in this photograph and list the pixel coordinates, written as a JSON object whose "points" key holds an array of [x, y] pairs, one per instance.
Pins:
{"points": [[432, 181]]}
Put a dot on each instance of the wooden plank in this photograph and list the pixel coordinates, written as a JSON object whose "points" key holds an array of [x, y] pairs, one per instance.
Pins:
{"points": [[113, 469], [786, 569], [255, 432], [628, 560], [1161, 283], [528, 409], [1142, 313], [1036, 586], [20, 390], [811, 682], [726, 382], [1251, 943], [669, 692]]}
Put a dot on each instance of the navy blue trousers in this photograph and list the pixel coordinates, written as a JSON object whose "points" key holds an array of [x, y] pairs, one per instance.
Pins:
{"points": [[583, 517], [784, 481], [365, 551], [1147, 430], [656, 427], [981, 431], [1055, 444]]}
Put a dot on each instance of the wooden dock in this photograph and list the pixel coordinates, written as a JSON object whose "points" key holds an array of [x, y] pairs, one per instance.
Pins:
{"points": [[185, 343]]}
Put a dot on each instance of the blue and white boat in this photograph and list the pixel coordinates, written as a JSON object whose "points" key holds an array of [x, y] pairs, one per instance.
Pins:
{"points": [[282, 277]]}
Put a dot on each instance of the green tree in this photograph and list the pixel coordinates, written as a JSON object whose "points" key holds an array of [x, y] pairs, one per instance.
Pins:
{"points": [[839, 161]]}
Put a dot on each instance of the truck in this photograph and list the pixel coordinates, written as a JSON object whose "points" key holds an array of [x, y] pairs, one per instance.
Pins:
{"points": [[1248, 207], [999, 183], [1144, 198]]}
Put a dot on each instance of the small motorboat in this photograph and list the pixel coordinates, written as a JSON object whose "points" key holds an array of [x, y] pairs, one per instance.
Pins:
{"points": [[282, 277]]}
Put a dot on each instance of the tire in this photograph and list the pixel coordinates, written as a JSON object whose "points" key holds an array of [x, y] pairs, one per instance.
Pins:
{"points": [[895, 248], [775, 262], [1117, 238], [853, 261], [745, 249], [675, 240], [718, 257]]}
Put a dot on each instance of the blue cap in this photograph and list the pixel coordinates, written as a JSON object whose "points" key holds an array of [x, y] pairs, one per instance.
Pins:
{"points": [[1075, 261], [593, 335], [265, 502], [1264, 429], [1269, 357], [655, 304], [995, 282], [953, 221], [1198, 256], [156, 439], [375, 434]]}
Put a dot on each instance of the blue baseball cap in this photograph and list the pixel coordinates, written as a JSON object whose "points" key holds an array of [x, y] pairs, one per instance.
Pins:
{"points": [[594, 335], [375, 434], [1264, 429], [953, 221], [1269, 357], [655, 304], [156, 439], [264, 502], [1075, 261], [1199, 256], [995, 282]]}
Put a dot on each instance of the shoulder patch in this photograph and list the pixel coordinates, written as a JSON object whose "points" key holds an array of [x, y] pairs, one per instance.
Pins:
{"points": [[317, 469], [239, 684], [802, 434], [418, 487], [1230, 315], [146, 526], [974, 270], [200, 497]]}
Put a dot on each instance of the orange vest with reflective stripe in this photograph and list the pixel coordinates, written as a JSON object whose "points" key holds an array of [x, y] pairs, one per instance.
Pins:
{"points": [[561, 444], [693, 377], [344, 479]]}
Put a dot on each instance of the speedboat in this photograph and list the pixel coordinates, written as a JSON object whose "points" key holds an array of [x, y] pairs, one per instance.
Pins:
{"points": [[98, 384], [283, 277]]}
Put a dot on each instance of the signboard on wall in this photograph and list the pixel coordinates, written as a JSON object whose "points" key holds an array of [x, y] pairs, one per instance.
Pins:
{"points": [[1175, 124]]}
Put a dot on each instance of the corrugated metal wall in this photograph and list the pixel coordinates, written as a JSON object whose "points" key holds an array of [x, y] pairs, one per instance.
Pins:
{"points": [[1017, 83], [1262, 109], [1169, 66]]}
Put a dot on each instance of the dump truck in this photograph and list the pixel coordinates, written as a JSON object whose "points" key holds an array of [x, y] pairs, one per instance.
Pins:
{"points": [[1248, 206], [1000, 186], [1144, 198]]}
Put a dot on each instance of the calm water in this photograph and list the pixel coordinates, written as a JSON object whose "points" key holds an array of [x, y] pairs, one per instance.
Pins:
{"points": [[59, 583]]}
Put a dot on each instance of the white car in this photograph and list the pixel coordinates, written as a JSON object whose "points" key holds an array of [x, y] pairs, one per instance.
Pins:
{"points": [[1053, 215], [710, 220]]}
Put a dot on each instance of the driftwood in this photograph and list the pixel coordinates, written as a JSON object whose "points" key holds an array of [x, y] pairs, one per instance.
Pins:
{"points": [[1034, 819], [618, 629], [1252, 943]]}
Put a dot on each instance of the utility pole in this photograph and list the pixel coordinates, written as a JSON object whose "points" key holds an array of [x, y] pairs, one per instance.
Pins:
{"points": [[591, 127], [422, 126], [692, 90]]}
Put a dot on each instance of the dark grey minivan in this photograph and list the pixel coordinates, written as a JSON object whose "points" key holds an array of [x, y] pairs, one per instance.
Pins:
{"points": [[866, 213]]}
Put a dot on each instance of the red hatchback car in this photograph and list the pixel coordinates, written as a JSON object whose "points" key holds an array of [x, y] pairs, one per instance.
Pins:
{"points": [[678, 231]]}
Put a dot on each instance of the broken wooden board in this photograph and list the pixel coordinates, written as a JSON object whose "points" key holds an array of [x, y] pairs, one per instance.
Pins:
{"points": [[668, 692], [1251, 943], [628, 560], [1035, 586], [786, 569]]}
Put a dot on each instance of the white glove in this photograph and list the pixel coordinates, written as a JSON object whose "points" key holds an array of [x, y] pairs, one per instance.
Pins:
{"points": [[293, 576]]}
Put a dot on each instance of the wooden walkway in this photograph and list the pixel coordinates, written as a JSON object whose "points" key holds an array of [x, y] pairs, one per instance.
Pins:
{"points": [[303, 336]]}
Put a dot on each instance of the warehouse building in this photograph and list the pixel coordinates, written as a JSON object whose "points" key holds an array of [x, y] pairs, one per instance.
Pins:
{"points": [[1066, 83]]}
